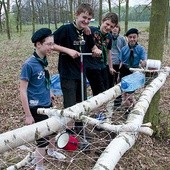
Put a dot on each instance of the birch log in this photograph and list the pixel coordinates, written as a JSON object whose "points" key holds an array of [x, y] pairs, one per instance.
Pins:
{"points": [[125, 140], [129, 127], [86, 106], [26, 161], [32, 132], [115, 149]]}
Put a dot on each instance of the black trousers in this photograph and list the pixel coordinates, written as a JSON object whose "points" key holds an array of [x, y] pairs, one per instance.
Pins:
{"points": [[113, 78], [98, 79], [42, 142], [72, 91]]}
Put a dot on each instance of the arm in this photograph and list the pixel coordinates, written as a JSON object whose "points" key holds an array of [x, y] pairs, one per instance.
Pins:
{"points": [[96, 51], [24, 99], [111, 69], [70, 52], [143, 57]]}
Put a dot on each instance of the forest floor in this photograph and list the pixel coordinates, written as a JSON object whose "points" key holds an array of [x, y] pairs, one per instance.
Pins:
{"points": [[148, 153]]}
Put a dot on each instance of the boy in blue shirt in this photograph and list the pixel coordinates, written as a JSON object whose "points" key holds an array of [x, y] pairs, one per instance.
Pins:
{"points": [[35, 91], [133, 55]]}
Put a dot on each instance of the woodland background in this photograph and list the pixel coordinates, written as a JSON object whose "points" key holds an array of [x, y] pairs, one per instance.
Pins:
{"points": [[20, 18]]}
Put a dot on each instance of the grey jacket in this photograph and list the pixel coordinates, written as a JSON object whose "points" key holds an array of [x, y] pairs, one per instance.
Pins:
{"points": [[116, 47]]}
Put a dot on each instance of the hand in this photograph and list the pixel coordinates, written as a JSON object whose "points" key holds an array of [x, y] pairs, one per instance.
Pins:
{"points": [[143, 63], [52, 96], [112, 71], [29, 120], [87, 31], [73, 53], [97, 52]]}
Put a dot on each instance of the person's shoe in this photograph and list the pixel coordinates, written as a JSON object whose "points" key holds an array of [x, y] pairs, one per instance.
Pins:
{"points": [[125, 116], [70, 131], [56, 154]]}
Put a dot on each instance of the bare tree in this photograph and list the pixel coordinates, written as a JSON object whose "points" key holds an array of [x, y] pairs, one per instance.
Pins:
{"points": [[167, 22], [110, 7], [71, 10], [127, 15], [100, 11], [6, 6], [155, 51], [48, 13], [119, 7], [0, 16], [33, 16], [55, 13], [18, 19]]}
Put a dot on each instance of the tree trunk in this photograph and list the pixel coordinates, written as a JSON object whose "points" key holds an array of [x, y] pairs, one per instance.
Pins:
{"points": [[48, 13], [127, 15], [110, 8], [71, 11], [18, 18], [100, 11], [0, 16], [167, 23], [33, 16], [7, 20], [55, 13], [155, 51], [119, 7]]}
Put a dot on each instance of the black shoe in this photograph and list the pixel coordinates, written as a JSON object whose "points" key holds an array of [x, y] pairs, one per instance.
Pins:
{"points": [[70, 131], [87, 135], [125, 116]]}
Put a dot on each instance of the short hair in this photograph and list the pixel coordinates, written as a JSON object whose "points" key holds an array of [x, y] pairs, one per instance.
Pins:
{"points": [[118, 25], [85, 7], [111, 16]]}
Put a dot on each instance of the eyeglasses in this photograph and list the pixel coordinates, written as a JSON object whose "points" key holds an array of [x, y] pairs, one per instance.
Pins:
{"points": [[49, 44]]}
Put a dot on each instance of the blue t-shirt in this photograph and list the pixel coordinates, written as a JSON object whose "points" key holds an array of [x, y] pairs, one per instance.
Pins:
{"points": [[139, 54], [37, 91]]}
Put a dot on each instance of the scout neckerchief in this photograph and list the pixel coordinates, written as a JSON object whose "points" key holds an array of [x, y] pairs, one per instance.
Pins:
{"points": [[131, 57], [114, 42], [80, 35], [44, 63], [101, 42]]}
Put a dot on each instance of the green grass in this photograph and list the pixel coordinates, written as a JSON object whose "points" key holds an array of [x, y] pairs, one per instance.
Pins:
{"points": [[27, 29]]}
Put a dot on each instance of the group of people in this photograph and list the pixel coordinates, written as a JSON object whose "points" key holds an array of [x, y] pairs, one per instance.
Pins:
{"points": [[110, 54]]}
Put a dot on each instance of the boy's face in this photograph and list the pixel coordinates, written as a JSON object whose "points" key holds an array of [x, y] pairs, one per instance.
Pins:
{"points": [[115, 30], [132, 39], [107, 26], [83, 20], [46, 47]]}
